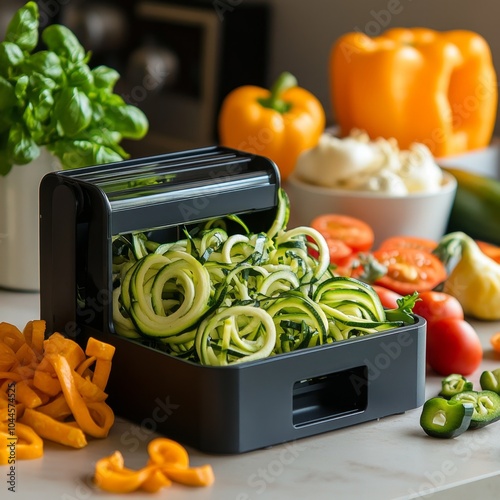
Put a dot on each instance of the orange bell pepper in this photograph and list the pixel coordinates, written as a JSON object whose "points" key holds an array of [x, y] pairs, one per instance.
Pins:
{"points": [[279, 123], [416, 85]]}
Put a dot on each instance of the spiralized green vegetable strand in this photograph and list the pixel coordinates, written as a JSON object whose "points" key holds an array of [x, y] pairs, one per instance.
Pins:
{"points": [[218, 298]]}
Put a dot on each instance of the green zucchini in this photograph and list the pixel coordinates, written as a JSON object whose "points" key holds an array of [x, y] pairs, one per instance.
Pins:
{"points": [[476, 208]]}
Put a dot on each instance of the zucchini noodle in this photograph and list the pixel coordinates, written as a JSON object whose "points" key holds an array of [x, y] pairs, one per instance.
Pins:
{"points": [[217, 298]]}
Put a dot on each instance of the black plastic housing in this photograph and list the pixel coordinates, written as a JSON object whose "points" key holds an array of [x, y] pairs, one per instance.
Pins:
{"points": [[230, 409]]}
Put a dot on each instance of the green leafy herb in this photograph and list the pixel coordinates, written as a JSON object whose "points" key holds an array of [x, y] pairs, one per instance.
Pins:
{"points": [[51, 97]]}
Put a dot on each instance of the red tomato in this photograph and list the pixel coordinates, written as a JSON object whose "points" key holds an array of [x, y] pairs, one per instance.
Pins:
{"points": [[355, 233], [410, 270], [492, 251], [340, 253], [453, 346], [408, 242], [438, 305], [387, 297]]}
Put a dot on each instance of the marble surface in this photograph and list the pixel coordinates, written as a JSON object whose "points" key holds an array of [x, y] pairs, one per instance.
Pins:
{"points": [[386, 459]]}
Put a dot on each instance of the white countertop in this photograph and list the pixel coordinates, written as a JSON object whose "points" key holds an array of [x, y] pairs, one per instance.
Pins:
{"points": [[390, 458]]}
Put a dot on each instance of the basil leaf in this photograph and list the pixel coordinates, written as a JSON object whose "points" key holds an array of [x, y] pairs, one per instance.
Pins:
{"points": [[39, 82], [63, 42], [23, 27], [104, 77], [21, 87], [81, 76], [45, 63], [105, 137], [128, 120], [7, 95], [11, 56], [21, 148], [81, 153], [73, 111], [43, 103], [32, 123]]}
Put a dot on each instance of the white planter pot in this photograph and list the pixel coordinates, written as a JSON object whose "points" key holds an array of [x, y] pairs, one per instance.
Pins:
{"points": [[19, 223]]}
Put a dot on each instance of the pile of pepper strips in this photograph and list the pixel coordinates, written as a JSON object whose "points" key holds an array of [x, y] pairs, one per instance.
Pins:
{"points": [[52, 389]]}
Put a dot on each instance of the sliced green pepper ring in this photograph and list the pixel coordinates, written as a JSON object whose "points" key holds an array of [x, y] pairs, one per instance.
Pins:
{"points": [[490, 381], [486, 406], [454, 384], [445, 418]]}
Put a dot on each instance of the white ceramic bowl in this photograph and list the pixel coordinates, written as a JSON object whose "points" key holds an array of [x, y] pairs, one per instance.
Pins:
{"points": [[424, 214]]}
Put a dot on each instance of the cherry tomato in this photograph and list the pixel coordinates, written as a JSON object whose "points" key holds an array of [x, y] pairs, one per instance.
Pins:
{"points": [[410, 270], [387, 297], [453, 346], [437, 305], [425, 244], [355, 233], [492, 251]]}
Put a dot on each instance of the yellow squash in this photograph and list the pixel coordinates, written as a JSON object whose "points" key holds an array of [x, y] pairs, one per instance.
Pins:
{"points": [[474, 278]]}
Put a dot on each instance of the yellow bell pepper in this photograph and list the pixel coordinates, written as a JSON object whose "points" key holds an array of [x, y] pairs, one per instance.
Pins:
{"points": [[416, 85], [279, 123], [474, 278]]}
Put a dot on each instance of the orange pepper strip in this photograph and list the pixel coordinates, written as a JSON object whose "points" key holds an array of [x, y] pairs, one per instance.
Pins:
{"points": [[168, 461], [48, 428], [6, 412], [8, 358], [27, 445], [47, 383], [34, 333], [9, 377], [111, 475], [104, 354], [173, 460], [26, 356], [88, 390], [75, 401], [26, 372], [11, 335], [166, 451], [192, 476], [26, 395], [83, 369], [8, 445], [155, 482], [58, 344], [58, 408]]}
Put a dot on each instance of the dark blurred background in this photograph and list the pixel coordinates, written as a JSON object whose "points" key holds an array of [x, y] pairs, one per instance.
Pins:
{"points": [[178, 59]]}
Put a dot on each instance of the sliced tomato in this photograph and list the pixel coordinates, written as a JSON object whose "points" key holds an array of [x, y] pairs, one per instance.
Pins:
{"points": [[354, 232], [340, 253], [489, 249], [410, 270], [408, 242]]}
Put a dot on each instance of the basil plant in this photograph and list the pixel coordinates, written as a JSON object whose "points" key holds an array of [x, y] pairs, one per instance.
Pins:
{"points": [[52, 98]]}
